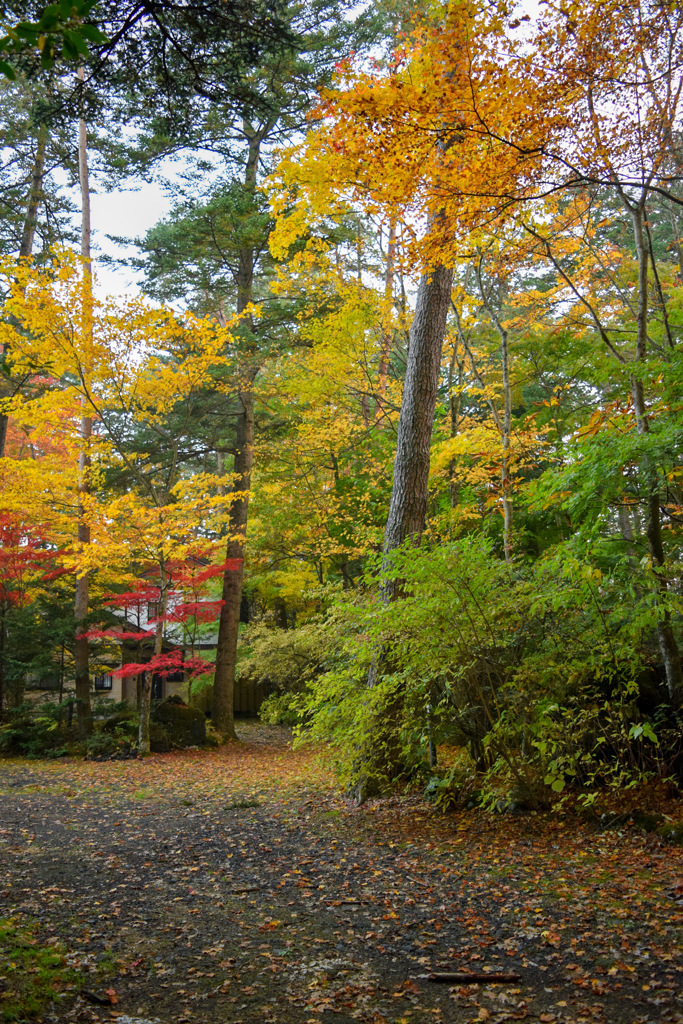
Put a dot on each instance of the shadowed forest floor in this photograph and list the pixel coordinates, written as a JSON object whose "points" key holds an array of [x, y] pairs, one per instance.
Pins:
{"points": [[237, 886]]}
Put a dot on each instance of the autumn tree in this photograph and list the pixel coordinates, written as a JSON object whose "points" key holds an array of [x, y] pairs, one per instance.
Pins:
{"points": [[136, 370], [228, 240]]}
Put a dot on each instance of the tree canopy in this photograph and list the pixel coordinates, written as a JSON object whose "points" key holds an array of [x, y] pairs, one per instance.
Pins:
{"points": [[403, 377]]}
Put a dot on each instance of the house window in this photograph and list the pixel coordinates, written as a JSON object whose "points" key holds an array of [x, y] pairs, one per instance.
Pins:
{"points": [[103, 682], [152, 610]]}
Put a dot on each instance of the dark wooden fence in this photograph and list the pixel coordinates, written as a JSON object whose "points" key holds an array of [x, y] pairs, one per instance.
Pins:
{"points": [[250, 696]]}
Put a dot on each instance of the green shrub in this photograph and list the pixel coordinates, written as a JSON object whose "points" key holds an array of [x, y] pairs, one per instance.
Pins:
{"points": [[41, 730], [122, 723], [281, 709], [536, 668], [101, 744]]}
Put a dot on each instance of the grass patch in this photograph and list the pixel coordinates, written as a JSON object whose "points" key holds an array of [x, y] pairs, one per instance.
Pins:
{"points": [[32, 975], [243, 801]]}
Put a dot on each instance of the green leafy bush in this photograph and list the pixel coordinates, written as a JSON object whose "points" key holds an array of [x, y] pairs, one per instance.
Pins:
{"points": [[38, 730], [281, 709], [535, 668]]}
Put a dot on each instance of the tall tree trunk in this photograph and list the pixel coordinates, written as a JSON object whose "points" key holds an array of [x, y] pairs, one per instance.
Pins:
{"points": [[409, 495], [668, 646], [408, 506], [28, 234], [81, 645], [505, 482], [454, 403], [223, 714], [233, 577]]}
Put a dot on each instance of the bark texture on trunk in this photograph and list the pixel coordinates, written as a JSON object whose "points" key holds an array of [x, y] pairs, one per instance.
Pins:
{"points": [[408, 506], [222, 712], [409, 496], [409, 492], [28, 233], [226, 652], [81, 645]]}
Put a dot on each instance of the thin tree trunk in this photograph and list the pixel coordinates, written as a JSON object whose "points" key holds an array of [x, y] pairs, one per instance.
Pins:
{"points": [[506, 426], [28, 234], [505, 462], [385, 350], [61, 675], [280, 608], [653, 530], [81, 645], [223, 713], [145, 700], [228, 628], [454, 418], [454, 404], [625, 525]]}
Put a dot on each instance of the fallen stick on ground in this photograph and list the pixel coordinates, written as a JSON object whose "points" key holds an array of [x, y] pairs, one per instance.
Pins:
{"points": [[470, 979]]}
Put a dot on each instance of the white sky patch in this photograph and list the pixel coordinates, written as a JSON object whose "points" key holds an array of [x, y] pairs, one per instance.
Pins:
{"points": [[126, 213]]}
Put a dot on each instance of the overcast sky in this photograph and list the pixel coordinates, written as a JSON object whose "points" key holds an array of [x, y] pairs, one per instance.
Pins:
{"points": [[125, 213]]}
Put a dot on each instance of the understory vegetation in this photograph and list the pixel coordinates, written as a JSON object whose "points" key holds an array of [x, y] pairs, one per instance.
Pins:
{"points": [[535, 673], [391, 431]]}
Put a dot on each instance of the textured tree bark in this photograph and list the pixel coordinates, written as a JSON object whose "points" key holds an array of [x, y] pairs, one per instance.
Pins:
{"points": [[28, 233], [226, 652], [81, 645], [668, 645], [506, 426], [408, 506], [409, 494], [222, 713]]}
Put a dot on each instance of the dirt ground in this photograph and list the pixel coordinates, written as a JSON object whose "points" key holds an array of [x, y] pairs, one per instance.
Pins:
{"points": [[238, 886]]}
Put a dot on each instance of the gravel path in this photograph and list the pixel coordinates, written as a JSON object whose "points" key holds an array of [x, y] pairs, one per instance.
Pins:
{"points": [[237, 887]]}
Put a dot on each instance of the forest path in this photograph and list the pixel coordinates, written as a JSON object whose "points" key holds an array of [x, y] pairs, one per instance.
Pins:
{"points": [[237, 886]]}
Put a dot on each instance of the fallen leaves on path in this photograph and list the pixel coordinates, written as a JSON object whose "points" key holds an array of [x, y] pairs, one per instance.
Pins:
{"points": [[239, 885]]}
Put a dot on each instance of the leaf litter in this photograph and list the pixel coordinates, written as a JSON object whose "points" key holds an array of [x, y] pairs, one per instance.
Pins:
{"points": [[237, 885]]}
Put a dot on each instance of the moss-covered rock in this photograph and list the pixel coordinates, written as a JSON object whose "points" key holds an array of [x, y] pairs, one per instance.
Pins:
{"points": [[647, 821], [185, 727], [672, 832], [159, 740]]}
